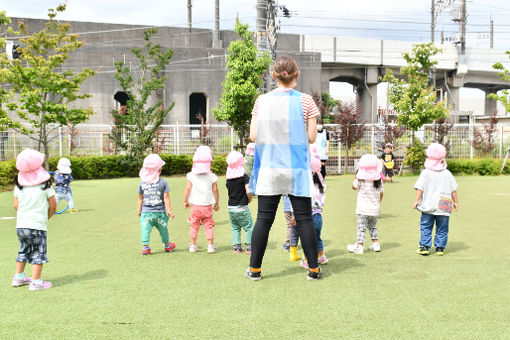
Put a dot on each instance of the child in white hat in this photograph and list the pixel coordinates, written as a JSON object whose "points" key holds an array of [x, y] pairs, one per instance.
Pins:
{"points": [[63, 181]]}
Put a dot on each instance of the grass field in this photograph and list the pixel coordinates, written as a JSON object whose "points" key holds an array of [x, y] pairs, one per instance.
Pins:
{"points": [[104, 287]]}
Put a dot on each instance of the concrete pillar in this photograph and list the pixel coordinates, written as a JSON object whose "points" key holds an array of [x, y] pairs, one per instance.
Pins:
{"points": [[491, 105], [368, 102], [453, 96]]}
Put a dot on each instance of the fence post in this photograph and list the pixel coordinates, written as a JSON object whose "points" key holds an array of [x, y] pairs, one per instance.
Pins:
{"points": [[178, 139], [501, 142], [14, 143], [175, 140], [339, 156], [60, 141], [231, 139], [471, 137]]}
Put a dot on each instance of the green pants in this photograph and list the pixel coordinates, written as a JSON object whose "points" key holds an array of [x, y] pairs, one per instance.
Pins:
{"points": [[148, 220], [240, 220]]}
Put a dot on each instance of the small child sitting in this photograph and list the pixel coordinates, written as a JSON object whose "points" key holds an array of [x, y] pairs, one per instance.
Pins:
{"points": [[238, 199], [63, 181]]}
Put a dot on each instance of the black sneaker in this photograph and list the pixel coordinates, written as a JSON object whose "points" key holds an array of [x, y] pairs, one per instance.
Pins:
{"points": [[313, 275], [440, 251], [254, 276], [285, 246], [423, 250]]}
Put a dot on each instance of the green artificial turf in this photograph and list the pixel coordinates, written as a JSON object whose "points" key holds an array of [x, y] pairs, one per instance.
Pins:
{"points": [[104, 287]]}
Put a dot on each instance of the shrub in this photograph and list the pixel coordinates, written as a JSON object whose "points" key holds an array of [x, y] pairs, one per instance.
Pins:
{"points": [[98, 167], [484, 167], [416, 155]]}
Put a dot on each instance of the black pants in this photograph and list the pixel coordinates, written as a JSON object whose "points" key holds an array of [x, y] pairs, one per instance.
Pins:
{"points": [[304, 225], [323, 168]]}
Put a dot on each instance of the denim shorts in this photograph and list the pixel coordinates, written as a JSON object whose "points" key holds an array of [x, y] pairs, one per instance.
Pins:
{"points": [[32, 244]]}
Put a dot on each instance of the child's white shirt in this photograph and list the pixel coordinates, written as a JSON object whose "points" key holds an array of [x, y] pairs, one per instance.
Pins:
{"points": [[437, 187], [201, 189], [369, 198]]}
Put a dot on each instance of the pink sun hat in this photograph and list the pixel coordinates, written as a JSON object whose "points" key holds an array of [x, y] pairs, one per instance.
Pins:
{"points": [[315, 159], [250, 149], [368, 168], [202, 160], [149, 173], [235, 162], [436, 157], [29, 164]]}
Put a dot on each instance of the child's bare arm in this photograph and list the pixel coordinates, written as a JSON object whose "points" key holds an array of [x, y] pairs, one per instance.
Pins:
{"points": [[455, 198], [381, 194], [250, 196], [216, 196], [16, 203], [53, 206], [417, 198], [168, 204], [140, 202], [187, 190]]}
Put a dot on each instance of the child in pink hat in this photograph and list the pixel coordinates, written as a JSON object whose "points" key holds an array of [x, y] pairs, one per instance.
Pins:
{"points": [[238, 199], [370, 193], [35, 203], [201, 193], [436, 198], [154, 206]]}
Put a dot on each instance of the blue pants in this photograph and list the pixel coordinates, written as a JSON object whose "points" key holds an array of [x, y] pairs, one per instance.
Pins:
{"points": [[317, 223], [426, 226], [68, 197]]}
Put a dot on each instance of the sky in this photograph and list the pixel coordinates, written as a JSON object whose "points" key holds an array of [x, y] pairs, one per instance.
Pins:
{"points": [[407, 20]]}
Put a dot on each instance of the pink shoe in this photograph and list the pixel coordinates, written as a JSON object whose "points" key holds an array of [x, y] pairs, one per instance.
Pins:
{"points": [[304, 264], [248, 250], [169, 247], [39, 285], [323, 259], [20, 282]]}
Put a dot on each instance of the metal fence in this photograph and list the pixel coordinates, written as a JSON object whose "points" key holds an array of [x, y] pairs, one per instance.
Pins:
{"points": [[87, 139]]}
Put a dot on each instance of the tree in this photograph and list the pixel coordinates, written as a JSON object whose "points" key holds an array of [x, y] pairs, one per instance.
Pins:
{"points": [[351, 127], [390, 131], [504, 74], [326, 104], [414, 99], [44, 90], [242, 83], [484, 140], [136, 128], [442, 128]]}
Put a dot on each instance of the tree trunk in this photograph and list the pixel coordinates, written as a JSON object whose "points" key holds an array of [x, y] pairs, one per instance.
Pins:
{"points": [[46, 148], [346, 158]]}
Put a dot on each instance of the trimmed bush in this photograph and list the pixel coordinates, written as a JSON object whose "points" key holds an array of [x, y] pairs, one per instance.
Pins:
{"points": [[483, 166], [98, 167]]}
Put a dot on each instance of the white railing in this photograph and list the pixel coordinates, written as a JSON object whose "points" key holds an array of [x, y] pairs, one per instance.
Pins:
{"points": [[88, 139]]}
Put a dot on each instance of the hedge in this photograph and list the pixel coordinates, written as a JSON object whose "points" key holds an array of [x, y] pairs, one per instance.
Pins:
{"points": [[98, 167], [478, 166]]}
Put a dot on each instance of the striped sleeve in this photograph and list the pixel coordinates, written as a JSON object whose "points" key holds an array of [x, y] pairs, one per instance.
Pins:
{"points": [[310, 109], [255, 108]]}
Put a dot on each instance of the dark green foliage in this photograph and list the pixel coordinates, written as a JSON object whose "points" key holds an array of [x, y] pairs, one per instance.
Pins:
{"points": [[100, 167], [479, 166], [416, 155]]}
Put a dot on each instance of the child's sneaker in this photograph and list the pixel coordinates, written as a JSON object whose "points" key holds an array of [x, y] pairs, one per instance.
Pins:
{"points": [[35, 285], [375, 247], [169, 247], [423, 250], [146, 251], [211, 248], [285, 246], [323, 259], [355, 248], [193, 248], [20, 282], [236, 249], [248, 250], [304, 263], [313, 275], [440, 251], [254, 276], [72, 211]]}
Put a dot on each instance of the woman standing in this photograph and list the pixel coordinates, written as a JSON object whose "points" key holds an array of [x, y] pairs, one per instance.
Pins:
{"points": [[282, 126]]}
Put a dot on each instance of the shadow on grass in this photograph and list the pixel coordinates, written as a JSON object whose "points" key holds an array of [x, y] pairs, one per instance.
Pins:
{"points": [[226, 222], [454, 247], [389, 245], [385, 216], [67, 279]]}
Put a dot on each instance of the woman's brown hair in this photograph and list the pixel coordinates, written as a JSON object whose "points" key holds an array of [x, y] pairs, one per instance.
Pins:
{"points": [[285, 69]]}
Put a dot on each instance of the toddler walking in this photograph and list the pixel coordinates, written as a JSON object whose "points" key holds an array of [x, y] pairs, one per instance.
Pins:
{"points": [[154, 206], [63, 181], [370, 193], [34, 201], [436, 197], [238, 199], [201, 193]]}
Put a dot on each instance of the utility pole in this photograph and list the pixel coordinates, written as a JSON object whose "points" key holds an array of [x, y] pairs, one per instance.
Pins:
{"points": [[432, 19], [216, 39], [261, 35], [188, 37], [463, 28], [492, 34]]}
